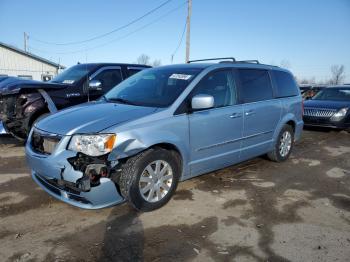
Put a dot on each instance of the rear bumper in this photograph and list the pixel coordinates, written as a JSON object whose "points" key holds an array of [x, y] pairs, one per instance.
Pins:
{"points": [[298, 130], [49, 171]]}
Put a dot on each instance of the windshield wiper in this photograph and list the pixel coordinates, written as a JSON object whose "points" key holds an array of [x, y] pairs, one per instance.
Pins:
{"points": [[119, 100]]}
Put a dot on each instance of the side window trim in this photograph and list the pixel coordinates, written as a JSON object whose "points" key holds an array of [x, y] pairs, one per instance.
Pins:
{"points": [[106, 68]]}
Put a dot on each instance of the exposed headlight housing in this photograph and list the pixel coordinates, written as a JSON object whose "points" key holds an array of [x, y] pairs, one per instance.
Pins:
{"points": [[340, 114], [93, 145]]}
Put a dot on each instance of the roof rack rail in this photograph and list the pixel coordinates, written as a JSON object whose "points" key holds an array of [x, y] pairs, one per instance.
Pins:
{"points": [[211, 59], [249, 61]]}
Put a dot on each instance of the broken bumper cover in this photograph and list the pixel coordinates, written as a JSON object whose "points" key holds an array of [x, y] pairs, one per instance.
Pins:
{"points": [[47, 170]]}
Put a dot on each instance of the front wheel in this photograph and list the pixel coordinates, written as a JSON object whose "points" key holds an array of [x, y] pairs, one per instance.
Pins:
{"points": [[149, 179], [283, 145]]}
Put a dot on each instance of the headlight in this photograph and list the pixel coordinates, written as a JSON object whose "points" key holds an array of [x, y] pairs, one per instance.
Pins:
{"points": [[339, 115], [93, 145]]}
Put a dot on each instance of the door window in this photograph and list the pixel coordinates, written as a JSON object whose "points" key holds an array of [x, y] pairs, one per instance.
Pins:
{"points": [[220, 85], [109, 78], [255, 85], [134, 70]]}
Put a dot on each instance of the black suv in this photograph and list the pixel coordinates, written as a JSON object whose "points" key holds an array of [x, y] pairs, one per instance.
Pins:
{"points": [[22, 102]]}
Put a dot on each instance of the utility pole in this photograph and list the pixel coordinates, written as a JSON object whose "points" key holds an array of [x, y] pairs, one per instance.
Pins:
{"points": [[25, 41], [188, 33]]}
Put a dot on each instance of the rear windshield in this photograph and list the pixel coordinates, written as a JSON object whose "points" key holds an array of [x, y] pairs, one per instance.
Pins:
{"points": [[73, 74], [155, 87], [285, 83], [336, 94]]}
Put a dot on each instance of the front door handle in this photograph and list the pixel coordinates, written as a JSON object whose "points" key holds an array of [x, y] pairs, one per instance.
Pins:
{"points": [[235, 115], [249, 113]]}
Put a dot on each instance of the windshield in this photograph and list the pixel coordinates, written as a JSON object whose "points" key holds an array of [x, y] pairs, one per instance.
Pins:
{"points": [[73, 74], [336, 94], [156, 87]]}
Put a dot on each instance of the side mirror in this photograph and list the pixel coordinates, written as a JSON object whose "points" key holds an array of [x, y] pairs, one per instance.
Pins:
{"points": [[202, 101], [95, 85]]}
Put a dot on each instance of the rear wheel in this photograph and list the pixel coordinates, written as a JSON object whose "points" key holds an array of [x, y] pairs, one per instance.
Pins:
{"points": [[149, 179], [283, 145]]}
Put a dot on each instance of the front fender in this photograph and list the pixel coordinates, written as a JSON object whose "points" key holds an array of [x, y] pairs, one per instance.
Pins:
{"points": [[173, 132]]}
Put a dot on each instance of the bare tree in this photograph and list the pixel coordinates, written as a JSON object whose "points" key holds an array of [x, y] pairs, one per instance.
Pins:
{"points": [[338, 74], [146, 60], [143, 60], [156, 62]]}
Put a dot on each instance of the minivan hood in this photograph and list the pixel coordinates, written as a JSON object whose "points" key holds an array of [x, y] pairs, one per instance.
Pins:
{"points": [[326, 104], [14, 85], [91, 117]]}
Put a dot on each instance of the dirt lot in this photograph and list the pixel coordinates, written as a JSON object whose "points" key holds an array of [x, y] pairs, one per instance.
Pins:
{"points": [[257, 211]]}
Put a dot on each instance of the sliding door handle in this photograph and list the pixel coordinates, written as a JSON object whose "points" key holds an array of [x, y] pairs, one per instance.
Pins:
{"points": [[249, 113], [235, 115]]}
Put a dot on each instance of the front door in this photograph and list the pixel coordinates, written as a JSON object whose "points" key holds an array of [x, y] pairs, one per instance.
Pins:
{"points": [[215, 134]]}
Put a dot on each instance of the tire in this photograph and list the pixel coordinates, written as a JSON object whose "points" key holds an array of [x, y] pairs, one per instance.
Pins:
{"points": [[136, 176], [278, 155]]}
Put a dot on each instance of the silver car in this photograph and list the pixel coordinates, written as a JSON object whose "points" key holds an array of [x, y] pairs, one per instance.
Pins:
{"points": [[161, 126]]}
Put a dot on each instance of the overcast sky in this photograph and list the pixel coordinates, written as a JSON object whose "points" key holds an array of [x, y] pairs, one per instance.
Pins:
{"points": [[309, 35]]}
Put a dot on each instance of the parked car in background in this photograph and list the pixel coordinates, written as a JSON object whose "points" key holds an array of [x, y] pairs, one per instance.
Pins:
{"points": [[309, 91], [22, 102], [161, 126], [329, 108]]}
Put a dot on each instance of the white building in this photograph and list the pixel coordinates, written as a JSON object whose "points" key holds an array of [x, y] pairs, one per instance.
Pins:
{"points": [[16, 62]]}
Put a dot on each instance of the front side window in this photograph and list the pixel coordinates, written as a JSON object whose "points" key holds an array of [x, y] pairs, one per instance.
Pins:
{"points": [[155, 87], [109, 78], [220, 85], [286, 85], [255, 85], [335, 94]]}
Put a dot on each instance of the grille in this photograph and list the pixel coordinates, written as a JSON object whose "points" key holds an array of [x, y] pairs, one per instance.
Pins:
{"points": [[317, 112], [44, 143]]}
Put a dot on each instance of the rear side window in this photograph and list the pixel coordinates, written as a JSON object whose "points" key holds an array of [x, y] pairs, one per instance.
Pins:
{"points": [[133, 71], [255, 85], [285, 84]]}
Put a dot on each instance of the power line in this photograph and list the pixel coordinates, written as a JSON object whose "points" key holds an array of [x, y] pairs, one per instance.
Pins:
{"points": [[180, 42], [113, 40], [104, 34]]}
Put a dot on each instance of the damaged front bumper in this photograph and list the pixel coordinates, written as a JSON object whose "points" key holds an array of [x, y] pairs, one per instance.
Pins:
{"points": [[55, 174]]}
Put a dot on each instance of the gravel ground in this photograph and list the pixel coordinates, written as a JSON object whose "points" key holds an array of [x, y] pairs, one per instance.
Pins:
{"points": [[298, 210]]}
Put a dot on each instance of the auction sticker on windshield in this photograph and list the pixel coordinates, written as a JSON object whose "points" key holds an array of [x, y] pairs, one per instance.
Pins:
{"points": [[180, 76]]}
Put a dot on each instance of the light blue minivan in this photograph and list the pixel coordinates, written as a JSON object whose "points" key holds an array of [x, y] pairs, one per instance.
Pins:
{"points": [[165, 125]]}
